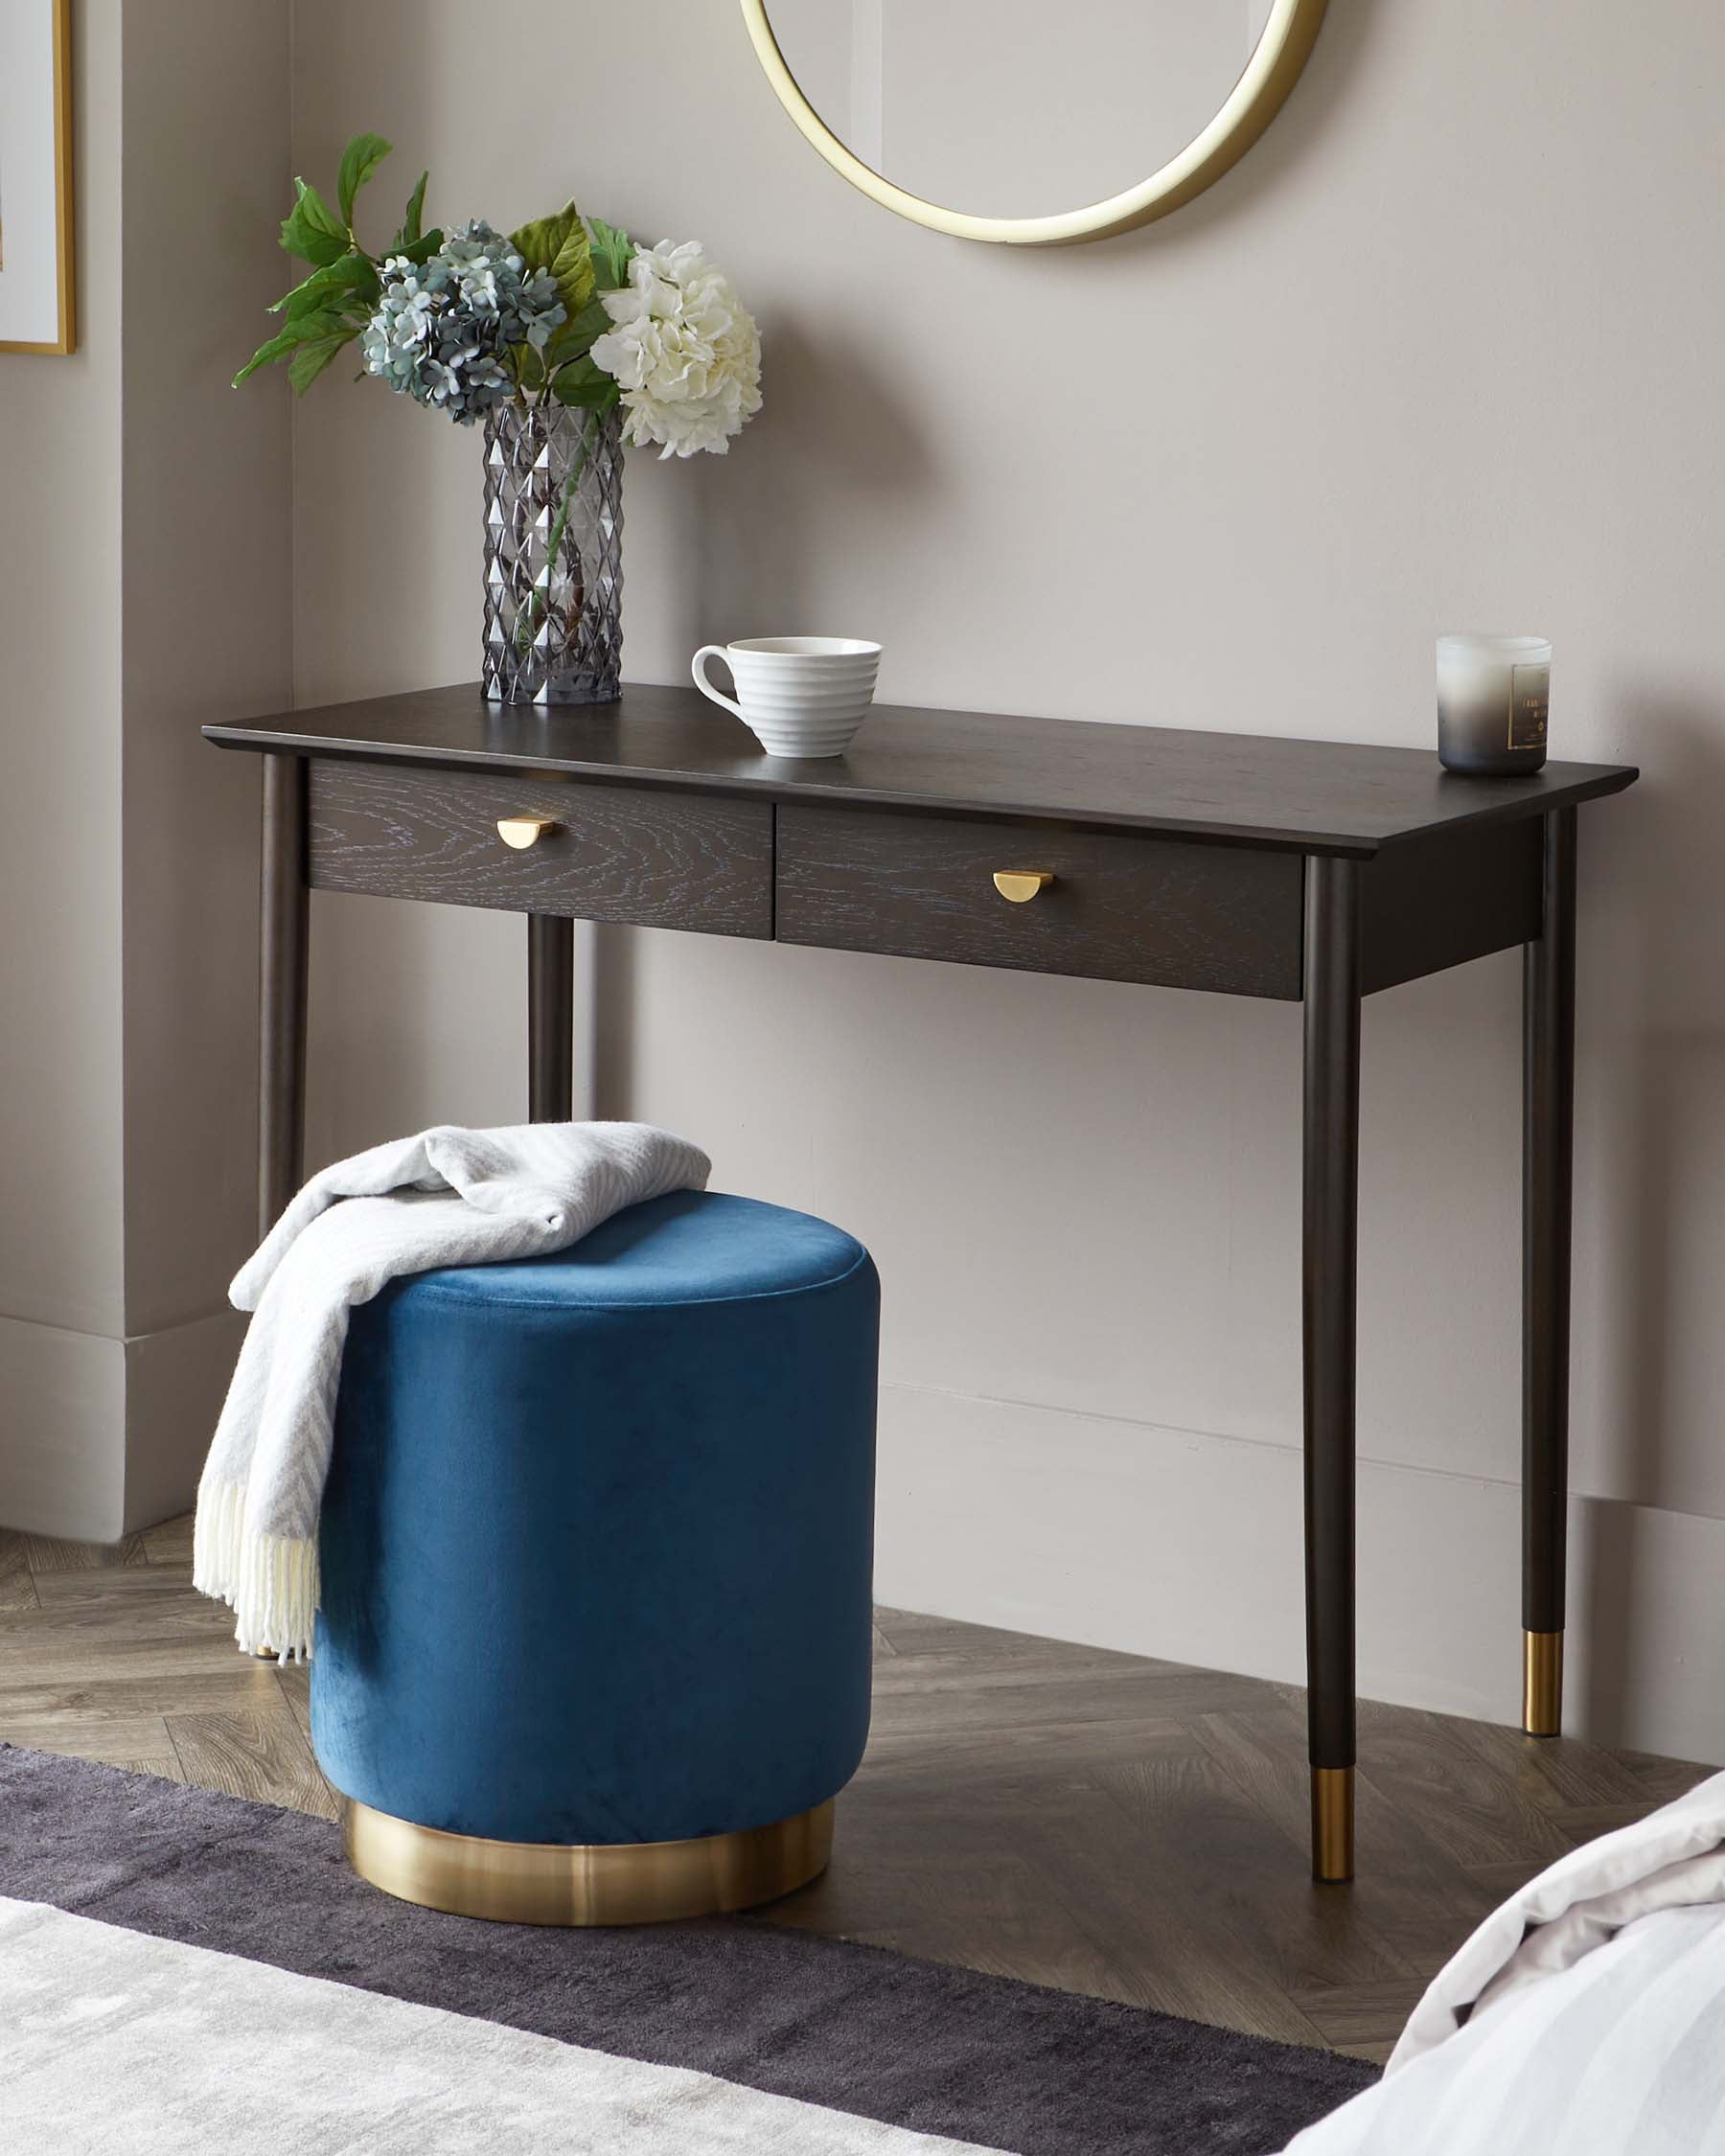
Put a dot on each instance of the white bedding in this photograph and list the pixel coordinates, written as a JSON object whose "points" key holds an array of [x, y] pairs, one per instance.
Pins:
{"points": [[1585, 2017]]}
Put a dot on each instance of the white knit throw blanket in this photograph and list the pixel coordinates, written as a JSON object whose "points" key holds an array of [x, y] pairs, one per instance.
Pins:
{"points": [[448, 1197]]}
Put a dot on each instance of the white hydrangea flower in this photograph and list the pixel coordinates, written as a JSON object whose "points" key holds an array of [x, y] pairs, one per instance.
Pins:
{"points": [[683, 351]]}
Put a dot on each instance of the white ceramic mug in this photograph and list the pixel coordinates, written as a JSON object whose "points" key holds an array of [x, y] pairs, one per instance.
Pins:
{"points": [[799, 696]]}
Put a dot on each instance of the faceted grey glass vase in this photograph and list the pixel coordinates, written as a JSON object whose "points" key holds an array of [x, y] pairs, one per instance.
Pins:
{"points": [[553, 555]]}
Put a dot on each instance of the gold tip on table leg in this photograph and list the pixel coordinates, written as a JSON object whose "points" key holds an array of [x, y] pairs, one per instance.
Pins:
{"points": [[1542, 1683], [1332, 1824]]}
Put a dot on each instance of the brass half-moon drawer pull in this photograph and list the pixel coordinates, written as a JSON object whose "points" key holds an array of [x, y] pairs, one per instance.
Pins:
{"points": [[1022, 884], [522, 832]]}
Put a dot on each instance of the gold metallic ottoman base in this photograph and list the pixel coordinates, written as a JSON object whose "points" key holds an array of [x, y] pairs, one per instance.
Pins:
{"points": [[1542, 1683], [593, 1883], [1332, 1824]]}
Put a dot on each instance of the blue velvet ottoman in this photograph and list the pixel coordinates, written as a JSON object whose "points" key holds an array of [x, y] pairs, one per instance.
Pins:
{"points": [[596, 1550]]}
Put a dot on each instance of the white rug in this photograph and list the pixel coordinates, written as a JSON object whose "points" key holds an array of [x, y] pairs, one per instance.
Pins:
{"points": [[113, 2043]]}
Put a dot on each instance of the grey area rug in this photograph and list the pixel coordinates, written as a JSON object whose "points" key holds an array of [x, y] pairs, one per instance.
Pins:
{"points": [[857, 2030]]}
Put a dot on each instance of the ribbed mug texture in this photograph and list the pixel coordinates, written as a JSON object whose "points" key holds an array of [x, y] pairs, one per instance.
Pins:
{"points": [[799, 696]]}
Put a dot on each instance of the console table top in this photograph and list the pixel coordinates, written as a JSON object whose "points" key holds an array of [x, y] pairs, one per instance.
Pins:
{"points": [[1252, 789]]}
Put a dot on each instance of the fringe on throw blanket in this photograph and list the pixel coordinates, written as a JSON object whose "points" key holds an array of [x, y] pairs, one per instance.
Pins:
{"points": [[270, 1582]]}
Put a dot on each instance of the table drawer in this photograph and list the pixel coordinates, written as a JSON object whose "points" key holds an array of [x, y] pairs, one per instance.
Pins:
{"points": [[1119, 907], [613, 853]]}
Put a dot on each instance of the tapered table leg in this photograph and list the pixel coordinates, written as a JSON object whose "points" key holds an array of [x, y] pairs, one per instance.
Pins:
{"points": [[1330, 1297], [550, 1018], [282, 978], [1548, 1139]]}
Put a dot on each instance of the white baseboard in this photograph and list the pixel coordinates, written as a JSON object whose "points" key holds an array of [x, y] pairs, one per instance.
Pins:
{"points": [[1188, 1546], [97, 1435], [175, 1381], [62, 1432]]}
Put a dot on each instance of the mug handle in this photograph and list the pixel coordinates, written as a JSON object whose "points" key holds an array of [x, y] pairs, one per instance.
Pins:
{"points": [[697, 668]]}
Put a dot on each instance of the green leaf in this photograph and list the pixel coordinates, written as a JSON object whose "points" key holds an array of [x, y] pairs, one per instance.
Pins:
{"points": [[411, 228], [612, 250], [311, 230], [573, 270], [350, 276], [359, 160], [420, 251], [312, 358], [561, 345], [561, 245], [315, 326], [582, 384], [573, 339], [278, 348]]}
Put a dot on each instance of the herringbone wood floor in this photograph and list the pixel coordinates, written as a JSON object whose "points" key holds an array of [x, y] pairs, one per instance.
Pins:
{"points": [[1130, 1828]]}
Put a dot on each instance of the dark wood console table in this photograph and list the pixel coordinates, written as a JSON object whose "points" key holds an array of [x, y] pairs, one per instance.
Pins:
{"points": [[1309, 872]]}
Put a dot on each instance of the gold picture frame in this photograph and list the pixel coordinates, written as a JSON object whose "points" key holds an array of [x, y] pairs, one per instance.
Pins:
{"points": [[65, 338], [1274, 68]]}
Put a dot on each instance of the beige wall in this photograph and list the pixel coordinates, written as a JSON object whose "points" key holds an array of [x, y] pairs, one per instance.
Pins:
{"points": [[62, 1241], [59, 803], [1442, 351], [144, 586], [208, 564]]}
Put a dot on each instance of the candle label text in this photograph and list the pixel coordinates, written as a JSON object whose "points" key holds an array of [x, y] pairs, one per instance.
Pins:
{"points": [[1529, 705]]}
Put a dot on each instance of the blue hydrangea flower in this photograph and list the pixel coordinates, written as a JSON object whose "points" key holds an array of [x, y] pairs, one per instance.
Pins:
{"points": [[441, 325]]}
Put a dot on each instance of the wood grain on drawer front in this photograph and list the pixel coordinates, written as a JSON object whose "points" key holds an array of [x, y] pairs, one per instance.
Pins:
{"points": [[655, 858], [1121, 908]]}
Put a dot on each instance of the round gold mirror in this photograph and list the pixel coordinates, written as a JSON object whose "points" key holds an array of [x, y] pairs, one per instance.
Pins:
{"points": [[973, 116]]}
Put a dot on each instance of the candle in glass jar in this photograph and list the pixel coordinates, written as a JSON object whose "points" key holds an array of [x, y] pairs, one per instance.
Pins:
{"points": [[1494, 696]]}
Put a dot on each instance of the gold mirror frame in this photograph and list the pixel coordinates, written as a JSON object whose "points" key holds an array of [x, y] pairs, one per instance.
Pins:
{"points": [[1256, 98]]}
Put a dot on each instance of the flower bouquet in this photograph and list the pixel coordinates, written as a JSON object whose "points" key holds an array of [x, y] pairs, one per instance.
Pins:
{"points": [[566, 340]]}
